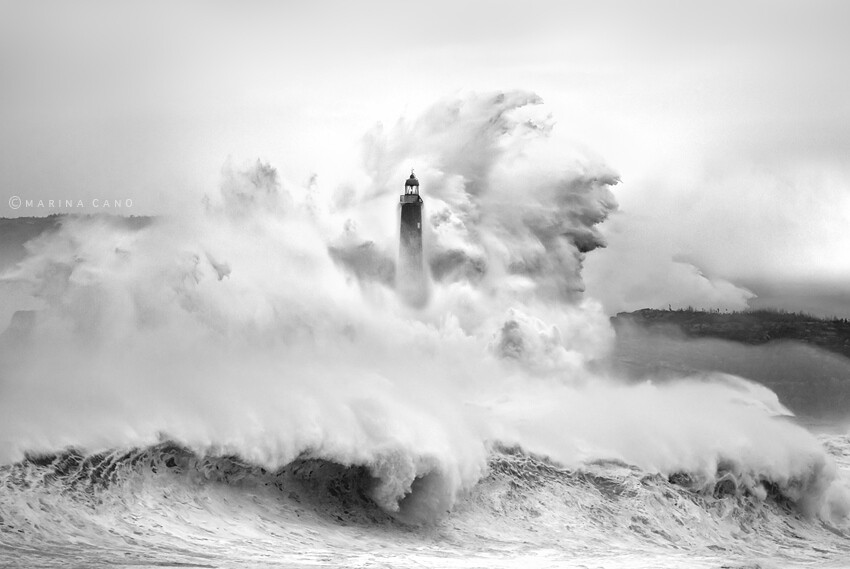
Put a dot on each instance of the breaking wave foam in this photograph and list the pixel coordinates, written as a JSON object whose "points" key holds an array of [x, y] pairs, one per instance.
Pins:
{"points": [[167, 504], [264, 327]]}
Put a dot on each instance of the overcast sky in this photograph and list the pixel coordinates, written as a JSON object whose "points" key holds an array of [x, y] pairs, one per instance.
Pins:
{"points": [[729, 122]]}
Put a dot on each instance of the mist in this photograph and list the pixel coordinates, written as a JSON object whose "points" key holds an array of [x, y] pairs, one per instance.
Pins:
{"points": [[810, 381], [263, 323]]}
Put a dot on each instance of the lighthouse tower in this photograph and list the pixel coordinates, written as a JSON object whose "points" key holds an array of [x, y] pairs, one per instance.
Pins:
{"points": [[410, 279]]}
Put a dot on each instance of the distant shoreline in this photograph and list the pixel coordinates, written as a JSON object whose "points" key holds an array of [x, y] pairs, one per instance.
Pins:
{"points": [[755, 327]]}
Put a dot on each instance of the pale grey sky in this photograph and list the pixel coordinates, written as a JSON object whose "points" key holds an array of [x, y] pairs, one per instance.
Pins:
{"points": [[729, 122]]}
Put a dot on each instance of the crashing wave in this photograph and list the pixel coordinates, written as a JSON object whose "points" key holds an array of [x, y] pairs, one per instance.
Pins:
{"points": [[166, 502]]}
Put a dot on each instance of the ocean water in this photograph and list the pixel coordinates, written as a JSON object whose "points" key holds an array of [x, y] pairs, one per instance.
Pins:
{"points": [[165, 506], [240, 385]]}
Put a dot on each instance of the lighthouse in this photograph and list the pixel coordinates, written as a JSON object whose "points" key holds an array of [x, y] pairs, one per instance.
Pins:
{"points": [[410, 278]]}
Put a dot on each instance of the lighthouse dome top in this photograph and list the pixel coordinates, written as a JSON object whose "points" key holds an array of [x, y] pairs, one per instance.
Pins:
{"points": [[411, 181], [411, 190]]}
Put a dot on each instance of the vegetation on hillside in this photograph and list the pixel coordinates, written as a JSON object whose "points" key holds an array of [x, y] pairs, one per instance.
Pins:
{"points": [[749, 327]]}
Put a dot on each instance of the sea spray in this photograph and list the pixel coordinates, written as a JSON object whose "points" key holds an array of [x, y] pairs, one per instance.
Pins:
{"points": [[245, 327]]}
